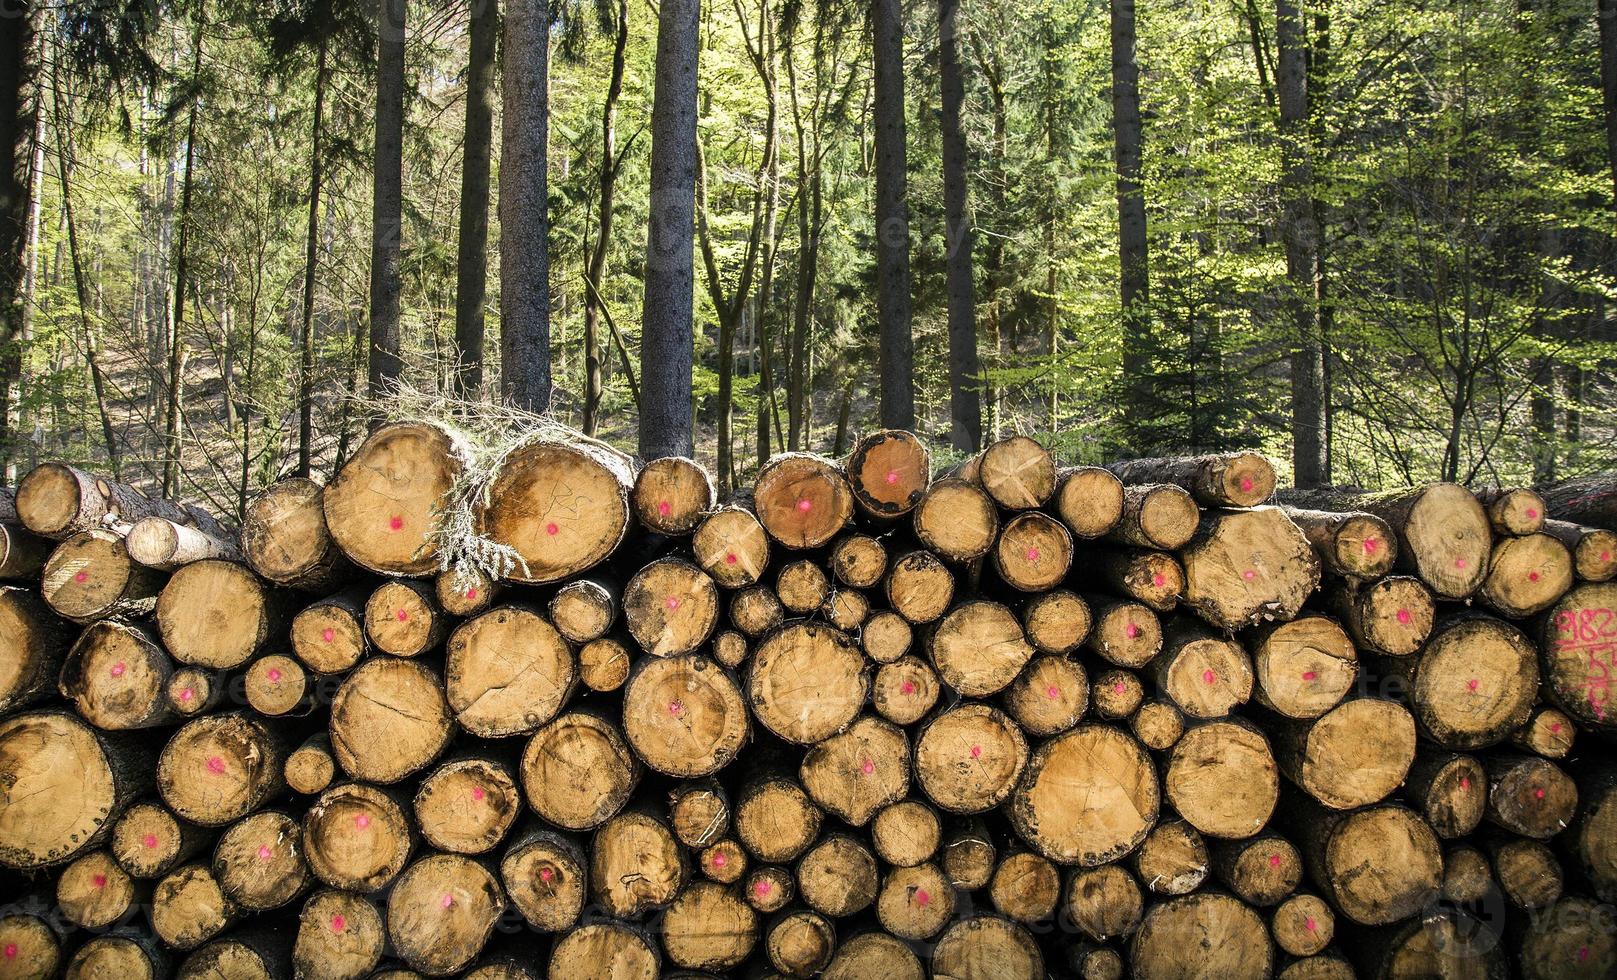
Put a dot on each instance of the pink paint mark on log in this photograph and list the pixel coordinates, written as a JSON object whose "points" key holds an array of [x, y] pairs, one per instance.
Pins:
{"points": [[149, 841], [1249, 574], [1465, 782], [1033, 554], [82, 577], [1459, 563], [395, 523], [1246, 484], [545, 874], [976, 751], [11, 951], [1471, 685], [1158, 581], [762, 888], [1538, 794], [730, 558], [1555, 728], [264, 852], [1274, 860], [908, 687], [868, 768], [719, 860], [671, 603], [892, 477], [1605, 556], [1311, 924], [1131, 631], [1052, 692], [663, 508], [400, 615], [674, 707], [216, 765], [1532, 576], [471, 595], [338, 923], [1120, 687], [100, 881], [478, 793], [805, 505], [1372, 545], [1532, 513], [1309, 675], [1583, 952], [1208, 676], [328, 634], [552, 530], [447, 900], [273, 674], [187, 694], [362, 821], [922, 898], [118, 669], [1403, 616]]}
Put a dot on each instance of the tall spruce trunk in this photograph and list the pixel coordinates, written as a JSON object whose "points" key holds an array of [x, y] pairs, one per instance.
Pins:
{"points": [[1134, 265], [19, 108], [524, 225], [596, 271], [897, 345], [965, 403], [311, 257], [1606, 17], [666, 341], [471, 263], [177, 354], [387, 214]]}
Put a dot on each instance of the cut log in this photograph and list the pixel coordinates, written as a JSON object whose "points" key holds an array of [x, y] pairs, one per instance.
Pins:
{"points": [[709, 928], [1303, 925], [957, 520], [22, 552], [1206, 935], [357, 837], [403, 618], [579, 954], [968, 759], [329, 634], [584, 609], [1202, 673], [1172, 860], [802, 586], [1549, 733], [906, 833], [508, 671], [1126, 634], [1096, 962], [1156, 515], [219, 614], [1391, 616], [90, 576], [1472, 685], [577, 772], [859, 561], [1467, 876], [1527, 871], [1241, 479], [1158, 725], [775, 819], [888, 471], [1443, 533], [885, 636], [218, 768], [1449, 790], [1017, 472], [546, 877], [806, 682], [189, 908], [1304, 667], [259, 862], [441, 911], [979, 648], [128, 955], [699, 813], [1153, 578], [1526, 575], [160, 543], [671, 607], [837, 877], [803, 500], [93, 892], [846, 609], [1529, 796], [1025, 888], [969, 854], [1057, 621], [311, 767], [1116, 694], [636, 865], [905, 690], [756, 610], [562, 506], [1594, 549], [769, 889], [1261, 870], [731, 546], [193, 691], [1246, 566], [385, 505], [1518, 511], [915, 903], [684, 715], [723, 862], [277, 686], [853, 774], [117, 676], [1593, 839], [603, 665], [36, 939], [1353, 755], [389, 720], [874, 954], [984, 947], [148, 842], [1049, 696], [1088, 797], [1354, 544], [1103, 902], [1570, 939], [465, 591], [57, 501], [285, 539], [1578, 641], [340, 937], [1089, 501], [1376, 865], [466, 805], [254, 950], [1222, 779], [672, 495], [800, 944], [919, 587], [1449, 942]]}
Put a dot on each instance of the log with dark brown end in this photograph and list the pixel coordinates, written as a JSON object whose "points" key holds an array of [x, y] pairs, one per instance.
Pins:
{"points": [[259, 862], [1354, 755], [311, 767], [1449, 790], [1103, 902], [858, 561], [905, 690], [546, 877], [1443, 533], [389, 719], [1528, 872], [580, 954], [577, 771], [90, 576], [329, 634], [837, 876], [1049, 696], [684, 715], [117, 677], [1089, 500], [1017, 472], [1203, 673], [1526, 575], [507, 672], [1153, 578], [1116, 694], [1376, 865], [1594, 549], [194, 691], [1088, 796], [800, 943], [886, 636], [806, 682], [1025, 887], [1303, 667], [384, 506], [874, 954], [888, 472], [467, 805], [1473, 684], [1528, 795], [1246, 566], [1467, 876], [957, 520], [699, 813], [986, 947], [1205, 935], [165, 545], [1570, 940], [465, 591], [1303, 925], [57, 501], [1447, 943], [756, 610], [356, 837], [127, 955], [1519, 511], [1158, 725], [708, 927], [846, 609], [731, 546], [636, 865], [441, 911], [1159, 516], [802, 586], [1391, 616], [1033, 553], [1222, 778], [1592, 842], [1126, 634], [670, 607], [979, 648], [672, 495], [724, 862], [1056, 621], [148, 842], [253, 952], [277, 685], [1172, 860], [853, 774], [919, 587], [562, 505], [22, 553], [1354, 544], [1578, 645], [189, 908], [1096, 962], [1241, 479], [603, 665], [285, 539], [968, 759], [775, 819], [1260, 870], [803, 500], [584, 609], [340, 937], [403, 618], [969, 854], [769, 888], [906, 833], [34, 648], [1549, 733], [93, 892], [219, 614], [915, 903], [219, 768]]}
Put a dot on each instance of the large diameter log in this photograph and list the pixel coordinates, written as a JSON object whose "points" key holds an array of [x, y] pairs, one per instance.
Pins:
{"points": [[1594, 549], [160, 543], [672, 495], [803, 500], [1204, 674], [117, 677], [1221, 777], [466, 805], [562, 506], [1204, 935], [806, 682], [732, 546], [441, 911], [389, 720], [580, 954], [1156, 515], [1392, 615], [62, 787], [218, 768], [1246, 566], [1242, 479], [709, 928], [670, 607], [685, 716], [853, 774], [285, 539], [1443, 533], [507, 672], [1355, 544], [578, 771], [1377, 865], [32, 647], [385, 505], [1473, 685], [968, 759], [218, 614], [1089, 500], [985, 946], [957, 520], [1526, 575], [1578, 645], [90, 576], [888, 471], [1304, 667], [57, 501], [1353, 755], [340, 937], [1087, 797], [636, 865], [979, 648], [1588, 500]]}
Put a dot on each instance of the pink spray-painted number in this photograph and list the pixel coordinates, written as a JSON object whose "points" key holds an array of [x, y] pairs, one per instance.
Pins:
{"points": [[338, 923]]}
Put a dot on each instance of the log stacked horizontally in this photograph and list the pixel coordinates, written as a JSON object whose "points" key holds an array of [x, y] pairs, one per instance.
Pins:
{"points": [[1008, 720]]}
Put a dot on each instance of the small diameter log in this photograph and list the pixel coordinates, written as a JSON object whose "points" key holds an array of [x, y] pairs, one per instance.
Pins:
{"points": [[1096, 962], [837, 877], [1443, 533], [389, 720], [1204, 674], [22, 553], [672, 495], [756, 610], [384, 506], [1592, 842], [563, 506], [577, 772], [546, 877], [800, 944], [802, 586], [1103, 902], [93, 892], [1089, 501], [218, 614], [1594, 549], [906, 833], [1049, 696], [775, 819], [584, 609], [885, 636], [1304, 667], [1057, 621], [1354, 544], [1172, 860], [193, 691], [1222, 778], [919, 587], [57, 501], [1158, 725], [340, 937], [218, 768], [636, 865], [1246, 566], [732, 546], [724, 862], [1391, 616], [1527, 871], [1578, 644], [699, 813], [148, 841], [957, 520], [874, 954], [90, 576], [465, 591], [466, 805], [1449, 790], [579, 954], [968, 759], [1518, 512], [1017, 472], [1303, 925], [769, 889], [441, 911], [1025, 887], [189, 908], [803, 500], [1570, 939], [1549, 733], [888, 471], [1159, 516], [403, 618], [1116, 694], [858, 561], [311, 767], [1353, 755], [329, 634], [685, 716], [905, 690], [671, 607], [986, 946], [969, 854], [603, 665], [1241, 479], [160, 543], [1526, 575], [1377, 865], [806, 682], [117, 677], [853, 774], [356, 837], [1153, 578], [507, 672], [979, 648], [284, 538], [277, 685], [1467, 875], [1529, 796], [1126, 634], [846, 609], [1205, 935], [915, 903], [1261, 870], [259, 862], [708, 927], [1088, 797], [1472, 685]]}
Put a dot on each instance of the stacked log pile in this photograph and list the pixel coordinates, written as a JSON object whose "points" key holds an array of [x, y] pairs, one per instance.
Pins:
{"points": [[578, 718]]}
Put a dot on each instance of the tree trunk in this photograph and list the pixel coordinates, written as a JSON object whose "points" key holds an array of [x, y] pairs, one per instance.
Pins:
{"points": [[387, 215], [1606, 17], [176, 342], [897, 347], [471, 274], [1133, 254], [524, 226], [19, 123], [965, 405], [310, 260], [666, 349], [596, 271]]}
